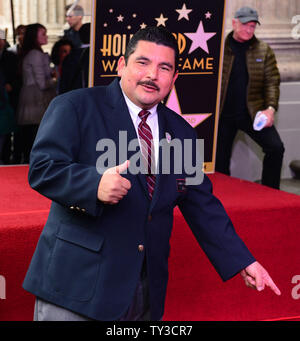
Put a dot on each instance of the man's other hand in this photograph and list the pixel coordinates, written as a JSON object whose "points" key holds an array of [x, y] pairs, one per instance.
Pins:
{"points": [[113, 186]]}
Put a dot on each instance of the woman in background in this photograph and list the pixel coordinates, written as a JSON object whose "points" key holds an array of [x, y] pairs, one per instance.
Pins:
{"points": [[38, 87]]}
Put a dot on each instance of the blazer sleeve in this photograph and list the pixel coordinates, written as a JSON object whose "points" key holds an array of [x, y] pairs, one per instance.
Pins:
{"points": [[213, 228], [55, 169]]}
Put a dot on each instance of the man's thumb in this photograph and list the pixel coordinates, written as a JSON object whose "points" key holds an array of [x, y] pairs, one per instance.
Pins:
{"points": [[121, 168]]}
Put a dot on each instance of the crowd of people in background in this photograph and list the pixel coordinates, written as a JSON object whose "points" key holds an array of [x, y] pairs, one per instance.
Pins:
{"points": [[28, 84], [31, 78]]}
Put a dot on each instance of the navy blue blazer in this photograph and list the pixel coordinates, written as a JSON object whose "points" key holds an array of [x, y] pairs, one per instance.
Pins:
{"points": [[88, 258]]}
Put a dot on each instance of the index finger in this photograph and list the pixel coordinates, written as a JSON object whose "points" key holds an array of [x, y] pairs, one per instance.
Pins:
{"points": [[269, 282]]}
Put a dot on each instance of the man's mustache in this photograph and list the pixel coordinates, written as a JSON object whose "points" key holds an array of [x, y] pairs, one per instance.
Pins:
{"points": [[149, 83]]}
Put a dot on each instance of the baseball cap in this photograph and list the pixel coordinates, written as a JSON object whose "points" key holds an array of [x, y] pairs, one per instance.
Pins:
{"points": [[246, 14], [2, 34]]}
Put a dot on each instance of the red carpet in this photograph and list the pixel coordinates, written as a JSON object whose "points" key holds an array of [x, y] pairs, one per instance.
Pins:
{"points": [[266, 219], [269, 222]]}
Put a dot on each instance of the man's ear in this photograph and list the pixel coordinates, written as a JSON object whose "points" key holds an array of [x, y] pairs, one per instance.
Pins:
{"points": [[175, 77], [121, 65]]}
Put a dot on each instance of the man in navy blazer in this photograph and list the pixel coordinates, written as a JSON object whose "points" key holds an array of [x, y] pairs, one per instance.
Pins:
{"points": [[103, 253]]}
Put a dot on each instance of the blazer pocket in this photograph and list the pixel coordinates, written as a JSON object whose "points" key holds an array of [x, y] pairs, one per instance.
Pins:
{"points": [[75, 262], [82, 236]]}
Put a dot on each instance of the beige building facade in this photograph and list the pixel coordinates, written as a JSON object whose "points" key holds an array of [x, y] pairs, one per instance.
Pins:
{"points": [[280, 21]]}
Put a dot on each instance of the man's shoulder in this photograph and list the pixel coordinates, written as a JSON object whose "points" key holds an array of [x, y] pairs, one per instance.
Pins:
{"points": [[68, 31], [99, 93], [260, 45], [82, 94]]}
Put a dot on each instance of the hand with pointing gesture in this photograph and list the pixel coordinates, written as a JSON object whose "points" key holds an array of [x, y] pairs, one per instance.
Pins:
{"points": [[257, 277], [113, 186]]}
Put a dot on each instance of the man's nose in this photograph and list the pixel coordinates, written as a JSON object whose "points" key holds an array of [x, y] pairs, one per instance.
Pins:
{"points": [[152, 72]]}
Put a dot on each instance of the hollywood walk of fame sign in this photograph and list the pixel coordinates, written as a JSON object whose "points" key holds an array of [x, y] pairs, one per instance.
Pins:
{"points": [[198, 27]]}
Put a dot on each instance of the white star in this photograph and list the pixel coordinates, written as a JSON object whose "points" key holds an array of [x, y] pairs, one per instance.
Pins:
{"points": [[208, 15], [183, 12], [199, 38], [143, 25], [193, 119], [161, 20], [120, 18]]}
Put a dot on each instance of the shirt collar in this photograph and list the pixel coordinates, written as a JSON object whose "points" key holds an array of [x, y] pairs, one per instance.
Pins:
{"points": [[135, 110]]}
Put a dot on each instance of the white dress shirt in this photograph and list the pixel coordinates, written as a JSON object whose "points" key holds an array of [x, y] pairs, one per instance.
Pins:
{"points": [[152, 121]]}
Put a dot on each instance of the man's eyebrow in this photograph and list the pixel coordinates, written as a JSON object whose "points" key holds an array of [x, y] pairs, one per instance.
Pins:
{"points": [[142, 58]]}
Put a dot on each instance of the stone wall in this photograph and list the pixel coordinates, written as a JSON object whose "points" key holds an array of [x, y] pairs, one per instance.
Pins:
{"points": [[50, 13]]}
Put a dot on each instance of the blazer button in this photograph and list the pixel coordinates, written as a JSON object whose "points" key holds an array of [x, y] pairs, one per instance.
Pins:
{"points": [[83, 210], [141, 248], [72, 208]]}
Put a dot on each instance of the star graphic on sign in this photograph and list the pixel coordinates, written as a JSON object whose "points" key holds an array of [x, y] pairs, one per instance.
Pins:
{"points": [[208, 15], [161, 20], [143, 25], [200, 38], [193, 119], [183, 12], [120, 18]]}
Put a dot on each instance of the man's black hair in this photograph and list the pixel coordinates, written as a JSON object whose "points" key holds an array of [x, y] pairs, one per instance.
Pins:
{"points": [[157, 35]]}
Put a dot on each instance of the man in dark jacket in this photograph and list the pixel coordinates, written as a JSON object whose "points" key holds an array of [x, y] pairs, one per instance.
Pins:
{"points": [[104, 251], [74, 15], [250, 84]]}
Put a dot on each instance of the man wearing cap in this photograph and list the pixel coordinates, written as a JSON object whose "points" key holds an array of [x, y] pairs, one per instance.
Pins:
{"points": [[250, 84]]}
